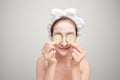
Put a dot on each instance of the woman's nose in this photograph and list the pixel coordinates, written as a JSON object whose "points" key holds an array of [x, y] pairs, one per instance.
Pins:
{"points": [[63, 43]]}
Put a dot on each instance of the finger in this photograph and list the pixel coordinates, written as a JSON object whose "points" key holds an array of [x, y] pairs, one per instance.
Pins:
{"points": [[74, 56], [84, 52], [77, 46], [76, 52], [49, 44], [51, 54], [51, 48], [48, 49], [80, 56], [52, 43]]}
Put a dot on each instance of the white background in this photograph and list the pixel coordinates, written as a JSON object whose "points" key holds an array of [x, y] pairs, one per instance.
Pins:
{"points": [[23, 32]]}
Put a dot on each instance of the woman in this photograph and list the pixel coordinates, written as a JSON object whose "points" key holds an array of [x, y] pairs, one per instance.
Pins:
{"points": [[63, 57]]}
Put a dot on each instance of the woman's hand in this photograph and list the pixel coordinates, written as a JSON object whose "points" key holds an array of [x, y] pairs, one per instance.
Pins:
{"points": [[49, 51], [78, 53]]}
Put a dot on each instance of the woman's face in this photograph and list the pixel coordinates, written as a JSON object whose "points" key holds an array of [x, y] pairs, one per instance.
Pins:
{"points": [[64, 28]]}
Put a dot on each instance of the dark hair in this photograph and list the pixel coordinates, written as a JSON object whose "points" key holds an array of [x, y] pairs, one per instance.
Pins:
{"points": [[63, 18]]}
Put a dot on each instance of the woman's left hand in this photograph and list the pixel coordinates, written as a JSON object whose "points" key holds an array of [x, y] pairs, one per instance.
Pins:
{"points": [[78, 53]]}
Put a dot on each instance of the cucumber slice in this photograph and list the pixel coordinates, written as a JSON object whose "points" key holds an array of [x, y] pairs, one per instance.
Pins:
{"points": [[70, 38], [57, 38]]}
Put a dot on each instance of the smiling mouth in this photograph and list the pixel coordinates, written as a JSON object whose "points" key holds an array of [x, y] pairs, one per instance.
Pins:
{"points": [[64, 49]]}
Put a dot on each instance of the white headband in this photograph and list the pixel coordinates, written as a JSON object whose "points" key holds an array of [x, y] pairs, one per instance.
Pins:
{"points": [[69, 13]]}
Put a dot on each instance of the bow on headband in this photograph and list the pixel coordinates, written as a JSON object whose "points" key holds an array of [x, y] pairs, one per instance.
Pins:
{"points": [[69, 11]]}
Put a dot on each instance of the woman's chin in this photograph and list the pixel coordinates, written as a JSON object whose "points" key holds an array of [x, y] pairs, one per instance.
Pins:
{"points": [[63, 52]]}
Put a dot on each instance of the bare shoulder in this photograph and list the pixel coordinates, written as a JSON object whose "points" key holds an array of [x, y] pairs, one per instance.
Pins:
{"points": [[84, 63], [41, 62], [85, 69], [40, 68]]}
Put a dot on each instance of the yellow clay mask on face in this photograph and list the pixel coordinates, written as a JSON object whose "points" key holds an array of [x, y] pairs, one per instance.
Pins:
{"points": [[57, 38], [70, 38]]}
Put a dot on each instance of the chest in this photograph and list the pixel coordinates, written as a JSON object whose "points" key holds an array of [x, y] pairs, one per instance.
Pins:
{"points": [[63, 73]]}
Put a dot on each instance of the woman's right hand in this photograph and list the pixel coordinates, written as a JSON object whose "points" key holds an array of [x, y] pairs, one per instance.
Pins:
{"points": [[49, 51]]}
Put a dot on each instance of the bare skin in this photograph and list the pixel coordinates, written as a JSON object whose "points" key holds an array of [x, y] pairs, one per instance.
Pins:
{"points": [[63, 61]]}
